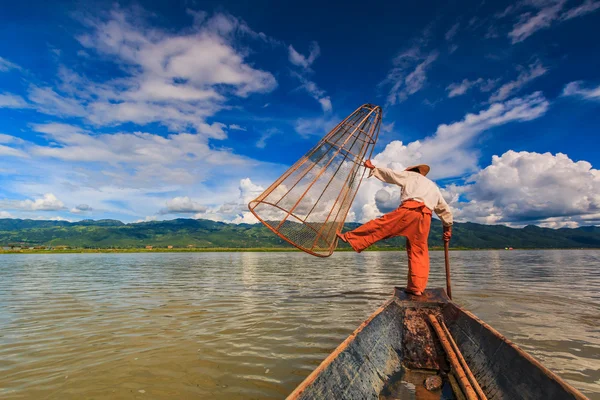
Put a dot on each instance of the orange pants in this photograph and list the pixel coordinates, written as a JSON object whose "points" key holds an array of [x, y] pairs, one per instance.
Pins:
{"points": [[412, 220]]}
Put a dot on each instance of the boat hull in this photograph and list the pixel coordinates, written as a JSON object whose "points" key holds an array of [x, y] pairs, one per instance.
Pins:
{"points": [[397, 337]]}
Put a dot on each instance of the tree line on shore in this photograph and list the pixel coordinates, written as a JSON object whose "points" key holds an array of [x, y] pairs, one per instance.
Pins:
{"points": [[205, 234]]}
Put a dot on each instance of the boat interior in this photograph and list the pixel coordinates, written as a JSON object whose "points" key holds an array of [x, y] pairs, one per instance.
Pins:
{"points": [[391, 354]]}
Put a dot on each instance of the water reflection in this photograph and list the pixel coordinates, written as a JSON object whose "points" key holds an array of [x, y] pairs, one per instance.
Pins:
{"points": [[253, 325]]}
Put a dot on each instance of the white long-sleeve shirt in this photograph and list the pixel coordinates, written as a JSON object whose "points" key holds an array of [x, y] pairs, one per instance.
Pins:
{"points": [[417, 187]]}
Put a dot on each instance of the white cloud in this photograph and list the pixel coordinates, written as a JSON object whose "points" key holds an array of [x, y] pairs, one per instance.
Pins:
{"points": [[587, 7], [10, 139], [452, 31], [75, 144], [12, 152], [525, 187], [177, 79], [261, 143], [6, 65], [541, 14], [408, 74], [388, 127], [249, 190], [307, 84], [5, 214], [81, 209], [183, 205], [301, 60], [237, 127], [325, 103], [533, 71], [529, 22], [236, 210], [458, 89], [148, 218], [47, 101], [48, 202], [315, 126], [449, 152], [8, 100], [311, 88], [576, 89]]}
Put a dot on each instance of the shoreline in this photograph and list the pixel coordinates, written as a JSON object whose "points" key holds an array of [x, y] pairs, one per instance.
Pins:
{"points": [[252, 250]]}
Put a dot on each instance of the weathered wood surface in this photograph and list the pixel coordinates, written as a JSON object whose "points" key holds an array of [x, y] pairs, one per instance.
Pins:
{"points": [[502, 369], [396, 335], [360, 366]]}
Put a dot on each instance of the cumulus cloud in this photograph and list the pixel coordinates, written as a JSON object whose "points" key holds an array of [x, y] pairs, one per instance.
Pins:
{"points": [[542, 14], [526, 75], [577, 89], [235, 210], [449, 151], [526, 187], [48, 202], [183, 205], [5, 214]]}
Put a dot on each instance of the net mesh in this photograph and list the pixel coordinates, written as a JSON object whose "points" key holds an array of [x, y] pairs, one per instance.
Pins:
{"points": [[309, 203]]}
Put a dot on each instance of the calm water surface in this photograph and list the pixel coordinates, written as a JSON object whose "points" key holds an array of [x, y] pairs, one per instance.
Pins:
{"points": [[254, 325]]}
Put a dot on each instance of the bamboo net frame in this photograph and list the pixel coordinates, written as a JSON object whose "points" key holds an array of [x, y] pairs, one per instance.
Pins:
{"points": [[309, 203]]}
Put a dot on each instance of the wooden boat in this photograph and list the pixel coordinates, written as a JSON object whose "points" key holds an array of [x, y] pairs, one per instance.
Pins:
{"points": [[390, 353]]}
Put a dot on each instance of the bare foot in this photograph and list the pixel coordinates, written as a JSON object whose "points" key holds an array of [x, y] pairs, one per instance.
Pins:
{"points": [[342, 237], [413, 292]]}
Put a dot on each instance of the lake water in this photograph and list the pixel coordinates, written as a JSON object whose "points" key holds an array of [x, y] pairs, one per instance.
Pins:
{"points": [[254, 325]]}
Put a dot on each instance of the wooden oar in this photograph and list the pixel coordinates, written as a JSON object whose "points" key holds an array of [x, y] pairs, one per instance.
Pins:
{"points": [[447, 256]]}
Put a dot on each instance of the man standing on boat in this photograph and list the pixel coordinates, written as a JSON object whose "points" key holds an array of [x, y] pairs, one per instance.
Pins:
{"points": [[420, 196]]}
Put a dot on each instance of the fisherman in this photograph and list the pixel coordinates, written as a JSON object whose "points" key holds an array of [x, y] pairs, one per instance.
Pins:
{"points": [[412, 219]]}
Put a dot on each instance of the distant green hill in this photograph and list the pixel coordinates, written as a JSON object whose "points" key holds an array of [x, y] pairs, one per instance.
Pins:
{"points": [[209, 234]]}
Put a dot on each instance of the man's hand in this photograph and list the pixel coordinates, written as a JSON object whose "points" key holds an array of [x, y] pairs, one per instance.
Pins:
{"points": [[447, 233], [369, 164]]}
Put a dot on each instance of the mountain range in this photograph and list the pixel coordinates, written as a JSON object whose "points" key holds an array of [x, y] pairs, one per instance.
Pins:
{"points": [[200, 233]]}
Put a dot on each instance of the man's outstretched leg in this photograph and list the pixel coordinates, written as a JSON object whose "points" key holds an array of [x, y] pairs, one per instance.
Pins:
{"points": [[386, 226]]}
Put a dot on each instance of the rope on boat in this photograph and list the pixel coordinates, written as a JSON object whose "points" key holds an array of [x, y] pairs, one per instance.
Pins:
{"points": [[458, 369], [463, 362]]}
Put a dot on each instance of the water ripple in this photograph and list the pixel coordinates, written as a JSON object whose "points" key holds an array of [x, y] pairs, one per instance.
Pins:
{"points": [[254, 325]]}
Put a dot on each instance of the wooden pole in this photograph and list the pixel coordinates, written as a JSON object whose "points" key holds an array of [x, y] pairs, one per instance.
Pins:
{"points": [[458, 369], [456, 388], [447, 257], [463, 362]]}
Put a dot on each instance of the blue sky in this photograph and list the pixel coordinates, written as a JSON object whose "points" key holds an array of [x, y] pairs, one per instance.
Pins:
{"points": [[158, 110]]}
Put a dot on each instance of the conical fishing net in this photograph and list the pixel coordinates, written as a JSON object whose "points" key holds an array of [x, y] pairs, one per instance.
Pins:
{"points": [[309, 203]]}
